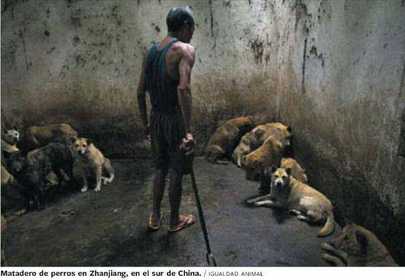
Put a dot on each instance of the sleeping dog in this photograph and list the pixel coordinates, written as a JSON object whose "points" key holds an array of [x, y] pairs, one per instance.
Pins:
{"points": [[356, 246], [226, 138]]}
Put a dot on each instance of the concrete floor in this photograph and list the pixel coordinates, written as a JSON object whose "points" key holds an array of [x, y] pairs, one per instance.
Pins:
{"points": [[108, 228]]}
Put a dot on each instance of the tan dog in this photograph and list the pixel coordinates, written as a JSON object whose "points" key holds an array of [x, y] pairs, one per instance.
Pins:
{"points": [[300, 199], [89, 161], [255, 138], [268, 154], [296, 170], [226, 138], [38, 136], [356, 246]]}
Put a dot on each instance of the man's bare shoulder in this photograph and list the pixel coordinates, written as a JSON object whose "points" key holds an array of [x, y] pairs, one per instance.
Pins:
{"points": [[183, 48]]}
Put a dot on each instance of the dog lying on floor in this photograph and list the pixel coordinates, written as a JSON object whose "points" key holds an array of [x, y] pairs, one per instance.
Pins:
{"points": [[300, 199], [38, 136], [255, 138], [90, 162], [296, 171], [226, 138], [356, 246]]}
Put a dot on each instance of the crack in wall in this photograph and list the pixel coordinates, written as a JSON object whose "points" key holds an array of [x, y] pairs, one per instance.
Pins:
{"points": [[401, 147], [27, 64], [304, 61], [212, 23]]}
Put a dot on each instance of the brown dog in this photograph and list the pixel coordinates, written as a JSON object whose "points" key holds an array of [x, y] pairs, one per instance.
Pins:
{"points": [[268, 154], [226, 138], [296, 170], [255, 138], [38, 136], [300, 199], [90, 162], [356, 246]]}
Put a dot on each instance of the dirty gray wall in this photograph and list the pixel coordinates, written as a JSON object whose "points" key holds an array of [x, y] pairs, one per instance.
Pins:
{"points": [[333, 70]]}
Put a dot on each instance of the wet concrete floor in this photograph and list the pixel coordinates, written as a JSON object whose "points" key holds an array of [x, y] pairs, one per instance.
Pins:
{"points": [[109, 228]]}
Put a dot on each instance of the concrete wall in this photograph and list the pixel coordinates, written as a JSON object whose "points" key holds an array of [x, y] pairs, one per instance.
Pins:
{"points": [[333, 70]]}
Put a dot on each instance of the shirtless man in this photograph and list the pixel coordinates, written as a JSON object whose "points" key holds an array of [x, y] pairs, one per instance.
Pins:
{"points": [[166, 77]]}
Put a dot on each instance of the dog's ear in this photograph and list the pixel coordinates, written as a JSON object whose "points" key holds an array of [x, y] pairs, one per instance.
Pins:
{"points": [[288, 170], [362, 240], [88, 141], [273, 169]]}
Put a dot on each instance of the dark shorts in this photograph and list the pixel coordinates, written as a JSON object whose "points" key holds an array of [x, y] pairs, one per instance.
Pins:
{"points": [[167, 132]]}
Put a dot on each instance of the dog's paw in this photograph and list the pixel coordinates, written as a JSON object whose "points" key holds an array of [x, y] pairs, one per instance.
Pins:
{"points": [[97, 189], [104, 180], [84, 189]]}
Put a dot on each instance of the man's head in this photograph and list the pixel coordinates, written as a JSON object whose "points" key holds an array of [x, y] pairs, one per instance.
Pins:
{"points": [[180, 23]]}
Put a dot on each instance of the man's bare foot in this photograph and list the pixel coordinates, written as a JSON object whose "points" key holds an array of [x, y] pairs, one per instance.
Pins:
{"points": [[184, 222]]}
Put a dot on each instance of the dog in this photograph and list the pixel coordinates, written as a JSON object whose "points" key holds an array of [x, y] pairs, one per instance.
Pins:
{"points": [[39, 136], [11, 137], [226, 138], [38, 164], [356, 246], [89, 161], [9, 140], [255, 138], [300, 199], [296, 171], [268, 154]]}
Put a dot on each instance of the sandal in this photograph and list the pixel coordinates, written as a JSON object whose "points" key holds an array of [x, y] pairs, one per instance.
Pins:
{"points": [[153, 224], [184, 222]]}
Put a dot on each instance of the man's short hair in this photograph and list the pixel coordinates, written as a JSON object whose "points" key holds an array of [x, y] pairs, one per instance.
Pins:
{"points": [[178, 17]]}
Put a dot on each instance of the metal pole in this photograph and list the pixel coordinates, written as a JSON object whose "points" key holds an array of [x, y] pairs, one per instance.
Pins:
{"points": [[210, 257]]}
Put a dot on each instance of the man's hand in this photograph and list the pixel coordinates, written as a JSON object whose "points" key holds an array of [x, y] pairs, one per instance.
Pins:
{"points": [[187, 145], [147, 133]]}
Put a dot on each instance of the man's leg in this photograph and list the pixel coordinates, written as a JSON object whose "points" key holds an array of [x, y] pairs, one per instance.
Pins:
{"points": [[158, 191], [177, 221], [175, 191]]}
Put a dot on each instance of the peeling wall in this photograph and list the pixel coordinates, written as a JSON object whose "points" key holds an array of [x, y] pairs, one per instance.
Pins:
{"points": [[333, 70]]}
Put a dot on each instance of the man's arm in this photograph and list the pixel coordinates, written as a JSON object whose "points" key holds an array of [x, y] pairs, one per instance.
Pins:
{"points": [[142, 97], [184, 89]]}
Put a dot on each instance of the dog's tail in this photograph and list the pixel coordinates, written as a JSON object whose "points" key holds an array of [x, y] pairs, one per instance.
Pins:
{"points": [[108, 168], [329, 226]]}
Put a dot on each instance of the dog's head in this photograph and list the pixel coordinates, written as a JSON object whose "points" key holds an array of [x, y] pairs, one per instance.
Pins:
{"points": [[280, 177], [80, 145], [15, 162], [12, 136]]}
